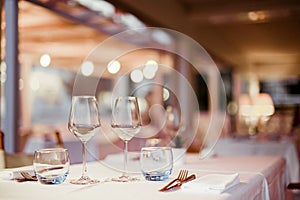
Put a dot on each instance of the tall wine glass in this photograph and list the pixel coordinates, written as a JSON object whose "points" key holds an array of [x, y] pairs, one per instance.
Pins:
{"points": [[126, 123], [84, 120], [174, 125]]}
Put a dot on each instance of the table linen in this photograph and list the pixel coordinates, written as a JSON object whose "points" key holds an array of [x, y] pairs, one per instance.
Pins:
{"points": [[252, 182], [215, 183], [247, 147]]}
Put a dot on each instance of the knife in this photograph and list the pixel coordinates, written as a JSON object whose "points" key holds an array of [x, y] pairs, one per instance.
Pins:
{"points": [[179, 184]]}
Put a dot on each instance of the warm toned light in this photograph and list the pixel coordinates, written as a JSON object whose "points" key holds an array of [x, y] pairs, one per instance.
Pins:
{"points": [[87, 68], [3, 72], [113, 66], [131, 21], [166, 94], [232, 108], [103, 7], [253, 16], [45, 60], [263, 104], [150, 69], [260, 105], [136, 76], [258, 15]]}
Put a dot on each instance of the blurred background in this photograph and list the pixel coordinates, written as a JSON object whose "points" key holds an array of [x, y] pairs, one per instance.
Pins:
{"points": [[254, 44]]}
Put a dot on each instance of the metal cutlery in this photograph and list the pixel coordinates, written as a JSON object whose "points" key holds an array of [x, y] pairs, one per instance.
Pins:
{"points": [[180, 183], [181, 176], [28, 176], [25, 177]]}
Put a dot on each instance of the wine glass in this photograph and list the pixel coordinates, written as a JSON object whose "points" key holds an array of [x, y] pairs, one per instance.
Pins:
{"points": [[126, 123], [174, 125], [84, 120]]}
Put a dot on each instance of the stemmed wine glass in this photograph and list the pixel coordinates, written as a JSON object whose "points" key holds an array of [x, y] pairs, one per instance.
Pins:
{"points": [[174, 125], [84, 120], [126, 123]]}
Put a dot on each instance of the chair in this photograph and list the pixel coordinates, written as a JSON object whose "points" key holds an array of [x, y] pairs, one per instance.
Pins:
{"points": [[293, 186], [20, 159], [2, 152], [59, 141]]}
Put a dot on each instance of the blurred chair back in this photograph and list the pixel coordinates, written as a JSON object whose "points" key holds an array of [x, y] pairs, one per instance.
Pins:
{"points": [[21, 159], [59, 141], [2, 152]]}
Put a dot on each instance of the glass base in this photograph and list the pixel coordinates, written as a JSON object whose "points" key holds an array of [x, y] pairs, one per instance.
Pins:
{"points": [[84, 180], [157, 176], [54, 179], [124, 178]]}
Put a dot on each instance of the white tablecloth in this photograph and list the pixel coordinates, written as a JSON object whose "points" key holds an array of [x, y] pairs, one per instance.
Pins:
{"points": [[254, 171], [285, 148]]}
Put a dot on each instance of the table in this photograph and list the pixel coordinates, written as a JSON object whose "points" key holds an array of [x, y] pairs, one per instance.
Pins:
{"points": [[260, 176], [247, 147]]}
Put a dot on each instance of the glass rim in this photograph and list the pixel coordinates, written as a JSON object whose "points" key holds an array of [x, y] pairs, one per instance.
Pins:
{"points": [[126, 97], [51, 150], [83, 96], [155, 148]]}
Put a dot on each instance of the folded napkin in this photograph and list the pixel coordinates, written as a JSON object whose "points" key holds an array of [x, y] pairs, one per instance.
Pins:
{"points": [[12, 174], [6, 175], [214, 183]]}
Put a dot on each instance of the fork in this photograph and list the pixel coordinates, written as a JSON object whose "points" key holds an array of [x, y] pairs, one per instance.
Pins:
{"points": [[180, 183], [181, 176], [27, 176]]}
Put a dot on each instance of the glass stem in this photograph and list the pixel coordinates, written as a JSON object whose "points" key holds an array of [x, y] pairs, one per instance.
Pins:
{"points": [[84, 169], [125, 157]]}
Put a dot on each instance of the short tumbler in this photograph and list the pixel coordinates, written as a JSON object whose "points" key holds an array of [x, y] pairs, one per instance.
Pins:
{"points": [[51, 166], [156, 163]]}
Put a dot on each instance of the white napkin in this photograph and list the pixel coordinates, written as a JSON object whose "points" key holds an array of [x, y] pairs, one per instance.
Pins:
{"points": [[6, 175], [10, 174], [213, 183]]}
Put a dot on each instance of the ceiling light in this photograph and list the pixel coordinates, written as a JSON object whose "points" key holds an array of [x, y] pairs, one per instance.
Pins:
{"points": [[87, 68], [161, 37], [252, 16], [150, 69], [3, 67], [45, 60], [258, 15], [3, 72], [166, 94], [152, 64], [136, 76], [131, 21], [113, 66], [103, 7]]}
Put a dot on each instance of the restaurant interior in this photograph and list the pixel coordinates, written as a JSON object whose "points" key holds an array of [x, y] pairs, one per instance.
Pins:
{"points": [[215, 78]]}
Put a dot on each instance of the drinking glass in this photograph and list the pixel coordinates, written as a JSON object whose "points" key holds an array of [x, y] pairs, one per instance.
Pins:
{"points": [[126, 123], [173, 119], [156, 163], [174, 126], [84, 122], [51, 166]]}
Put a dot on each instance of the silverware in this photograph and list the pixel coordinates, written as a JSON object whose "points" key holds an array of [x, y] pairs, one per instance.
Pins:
{"points": [[181, 176], [27, 176], [180, 183]]}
